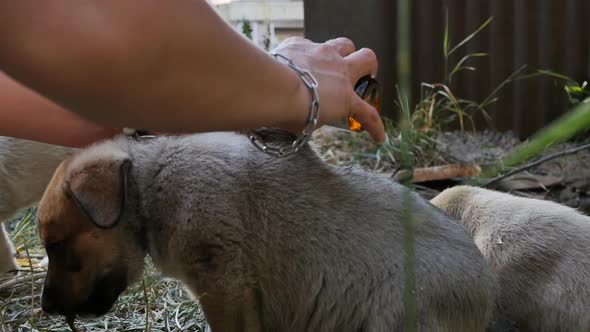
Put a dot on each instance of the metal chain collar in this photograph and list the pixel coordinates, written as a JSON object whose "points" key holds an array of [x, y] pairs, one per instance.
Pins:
{"points": [[312, 120], [137, 134]]}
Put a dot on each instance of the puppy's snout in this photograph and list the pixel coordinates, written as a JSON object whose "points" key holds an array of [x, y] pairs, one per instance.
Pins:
{"points": [[49, 299], [48, 304]]}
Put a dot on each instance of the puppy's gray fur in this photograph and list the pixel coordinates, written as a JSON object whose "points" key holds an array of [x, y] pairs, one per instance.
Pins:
{"points": [[266, 244], [25, 170], [539, 249]]}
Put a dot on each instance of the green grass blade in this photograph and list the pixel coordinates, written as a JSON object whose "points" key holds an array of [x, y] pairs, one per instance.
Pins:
{"points": [[512, 77], [471, 36], [446, 42], [560, 130], [553, 74], [459, 66], [404, 51]]}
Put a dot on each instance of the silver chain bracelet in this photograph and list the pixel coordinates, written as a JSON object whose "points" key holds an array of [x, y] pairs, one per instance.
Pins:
{"points": [[312, 120]]}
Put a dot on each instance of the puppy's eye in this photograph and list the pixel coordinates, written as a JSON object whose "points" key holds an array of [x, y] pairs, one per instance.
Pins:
{"points": [[54, 247]]}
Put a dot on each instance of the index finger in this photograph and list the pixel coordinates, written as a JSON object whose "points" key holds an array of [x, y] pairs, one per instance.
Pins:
{"points": [[369, 118]]}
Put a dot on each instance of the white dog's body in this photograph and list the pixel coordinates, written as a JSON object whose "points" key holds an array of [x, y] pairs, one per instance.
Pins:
{"points": [[540, 250], [25, 169]]}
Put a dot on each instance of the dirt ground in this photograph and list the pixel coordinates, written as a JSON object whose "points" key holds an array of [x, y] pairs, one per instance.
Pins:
{"points": [[565, 180]]}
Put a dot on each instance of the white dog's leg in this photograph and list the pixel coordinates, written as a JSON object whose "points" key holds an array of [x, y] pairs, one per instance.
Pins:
{"points": [[7, 261], [44, 262]]}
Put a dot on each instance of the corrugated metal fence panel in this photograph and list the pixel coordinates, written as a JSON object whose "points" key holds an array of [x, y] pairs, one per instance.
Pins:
{"points": [[543, 34], [369, 23]]}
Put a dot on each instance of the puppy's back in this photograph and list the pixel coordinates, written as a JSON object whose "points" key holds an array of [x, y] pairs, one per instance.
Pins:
{"points": [[327, 243]]}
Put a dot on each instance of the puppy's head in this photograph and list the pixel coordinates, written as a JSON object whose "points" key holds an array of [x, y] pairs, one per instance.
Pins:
{"points": [[84, 221], [458, 203]]}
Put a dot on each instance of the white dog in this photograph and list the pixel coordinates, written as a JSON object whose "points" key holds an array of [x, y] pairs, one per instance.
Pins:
{"points": [[25, 170], [540, 250]]}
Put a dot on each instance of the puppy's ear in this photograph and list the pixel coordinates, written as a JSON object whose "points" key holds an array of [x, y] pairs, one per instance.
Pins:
{"points": [[99, 189]]}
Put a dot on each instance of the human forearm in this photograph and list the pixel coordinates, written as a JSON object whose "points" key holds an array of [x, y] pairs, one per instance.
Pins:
{"points": [[160, 65], [25, 114]]}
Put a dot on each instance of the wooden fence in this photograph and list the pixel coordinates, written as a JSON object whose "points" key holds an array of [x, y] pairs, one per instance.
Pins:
{"points": [[543, 34]]}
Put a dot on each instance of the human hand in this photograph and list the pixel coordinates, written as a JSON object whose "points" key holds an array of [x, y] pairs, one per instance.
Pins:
{"points": [[337, 66]]}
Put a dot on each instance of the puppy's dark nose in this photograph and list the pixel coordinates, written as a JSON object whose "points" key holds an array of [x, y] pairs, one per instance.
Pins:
{"points": [[50, 298]]}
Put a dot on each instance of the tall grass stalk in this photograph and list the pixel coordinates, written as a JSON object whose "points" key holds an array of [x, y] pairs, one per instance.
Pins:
{"points": [[405, 97], [404, 62], [560, 130]]}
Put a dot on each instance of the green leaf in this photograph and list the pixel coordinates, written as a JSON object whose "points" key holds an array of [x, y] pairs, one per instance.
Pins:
{"points": [[555, 75]]}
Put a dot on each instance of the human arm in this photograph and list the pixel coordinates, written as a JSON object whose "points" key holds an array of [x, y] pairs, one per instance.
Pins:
{"points": [[173, 66], [25, 114]]}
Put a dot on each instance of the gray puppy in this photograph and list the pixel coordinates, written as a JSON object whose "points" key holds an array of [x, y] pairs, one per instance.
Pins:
{"points": [[539, 249], [266, 244], [25, 170]]}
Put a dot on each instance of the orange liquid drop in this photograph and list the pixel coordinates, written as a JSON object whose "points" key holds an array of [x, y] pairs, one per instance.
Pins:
{"points": [[370, 91]]}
